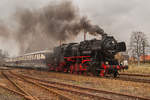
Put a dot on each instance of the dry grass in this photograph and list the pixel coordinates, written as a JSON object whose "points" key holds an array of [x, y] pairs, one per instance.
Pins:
{"points": [[142, 69]]}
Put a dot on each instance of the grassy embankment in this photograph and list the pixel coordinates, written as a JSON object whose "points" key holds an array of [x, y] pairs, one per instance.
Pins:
{"points": [[142, 69]]}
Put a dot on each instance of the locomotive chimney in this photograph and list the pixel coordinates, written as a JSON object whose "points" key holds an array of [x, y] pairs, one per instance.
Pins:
{"points": [[84, 35]]}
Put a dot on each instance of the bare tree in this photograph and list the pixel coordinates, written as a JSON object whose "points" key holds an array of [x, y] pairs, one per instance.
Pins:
{"points": [[138, 43]]}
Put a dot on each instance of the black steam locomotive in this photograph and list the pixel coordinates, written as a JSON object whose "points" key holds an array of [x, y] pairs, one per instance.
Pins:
{"points": [[90, 56]]}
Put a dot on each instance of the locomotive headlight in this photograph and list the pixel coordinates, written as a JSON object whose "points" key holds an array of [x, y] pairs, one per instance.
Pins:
{"points": [[107, 63], [112, 42]]}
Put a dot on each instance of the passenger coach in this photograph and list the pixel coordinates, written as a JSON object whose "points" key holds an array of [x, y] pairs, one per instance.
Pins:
{"points": [[29, 60]]}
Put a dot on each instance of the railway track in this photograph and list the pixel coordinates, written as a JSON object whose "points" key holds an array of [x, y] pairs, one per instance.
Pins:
{"points": [[134, 79], [30, 95], [123, 77], [141, 75], [21, 91], [81, 95], [127, 78], [82, 90]]}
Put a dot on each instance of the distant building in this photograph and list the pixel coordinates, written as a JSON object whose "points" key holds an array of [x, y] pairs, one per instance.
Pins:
{"points": [[146, 57]]}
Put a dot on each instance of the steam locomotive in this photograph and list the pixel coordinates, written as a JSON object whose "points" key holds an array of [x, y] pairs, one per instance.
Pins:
{"points": [[95, 57]]}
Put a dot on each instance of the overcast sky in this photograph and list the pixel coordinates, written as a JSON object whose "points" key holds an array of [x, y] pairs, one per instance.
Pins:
{"points": [[117, 17]]}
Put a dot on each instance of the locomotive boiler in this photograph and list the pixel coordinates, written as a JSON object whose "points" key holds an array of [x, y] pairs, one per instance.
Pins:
{"points": [[95, 57]]}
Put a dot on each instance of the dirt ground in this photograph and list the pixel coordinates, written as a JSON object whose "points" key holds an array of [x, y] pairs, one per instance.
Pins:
{"points": [[114, 85], [6, 95]]}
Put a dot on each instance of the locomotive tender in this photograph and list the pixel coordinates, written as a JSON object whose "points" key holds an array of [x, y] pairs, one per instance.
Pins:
{"points": [[96, 57]]}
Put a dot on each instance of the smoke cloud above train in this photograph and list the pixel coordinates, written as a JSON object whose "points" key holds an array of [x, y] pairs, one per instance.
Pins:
{"points": [[40, 28], [55, 20]]}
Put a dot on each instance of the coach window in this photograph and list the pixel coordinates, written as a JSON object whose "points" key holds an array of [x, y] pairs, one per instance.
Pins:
{"points": [[32, 57], [39, 56], [43, 56], [36, 56]]}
